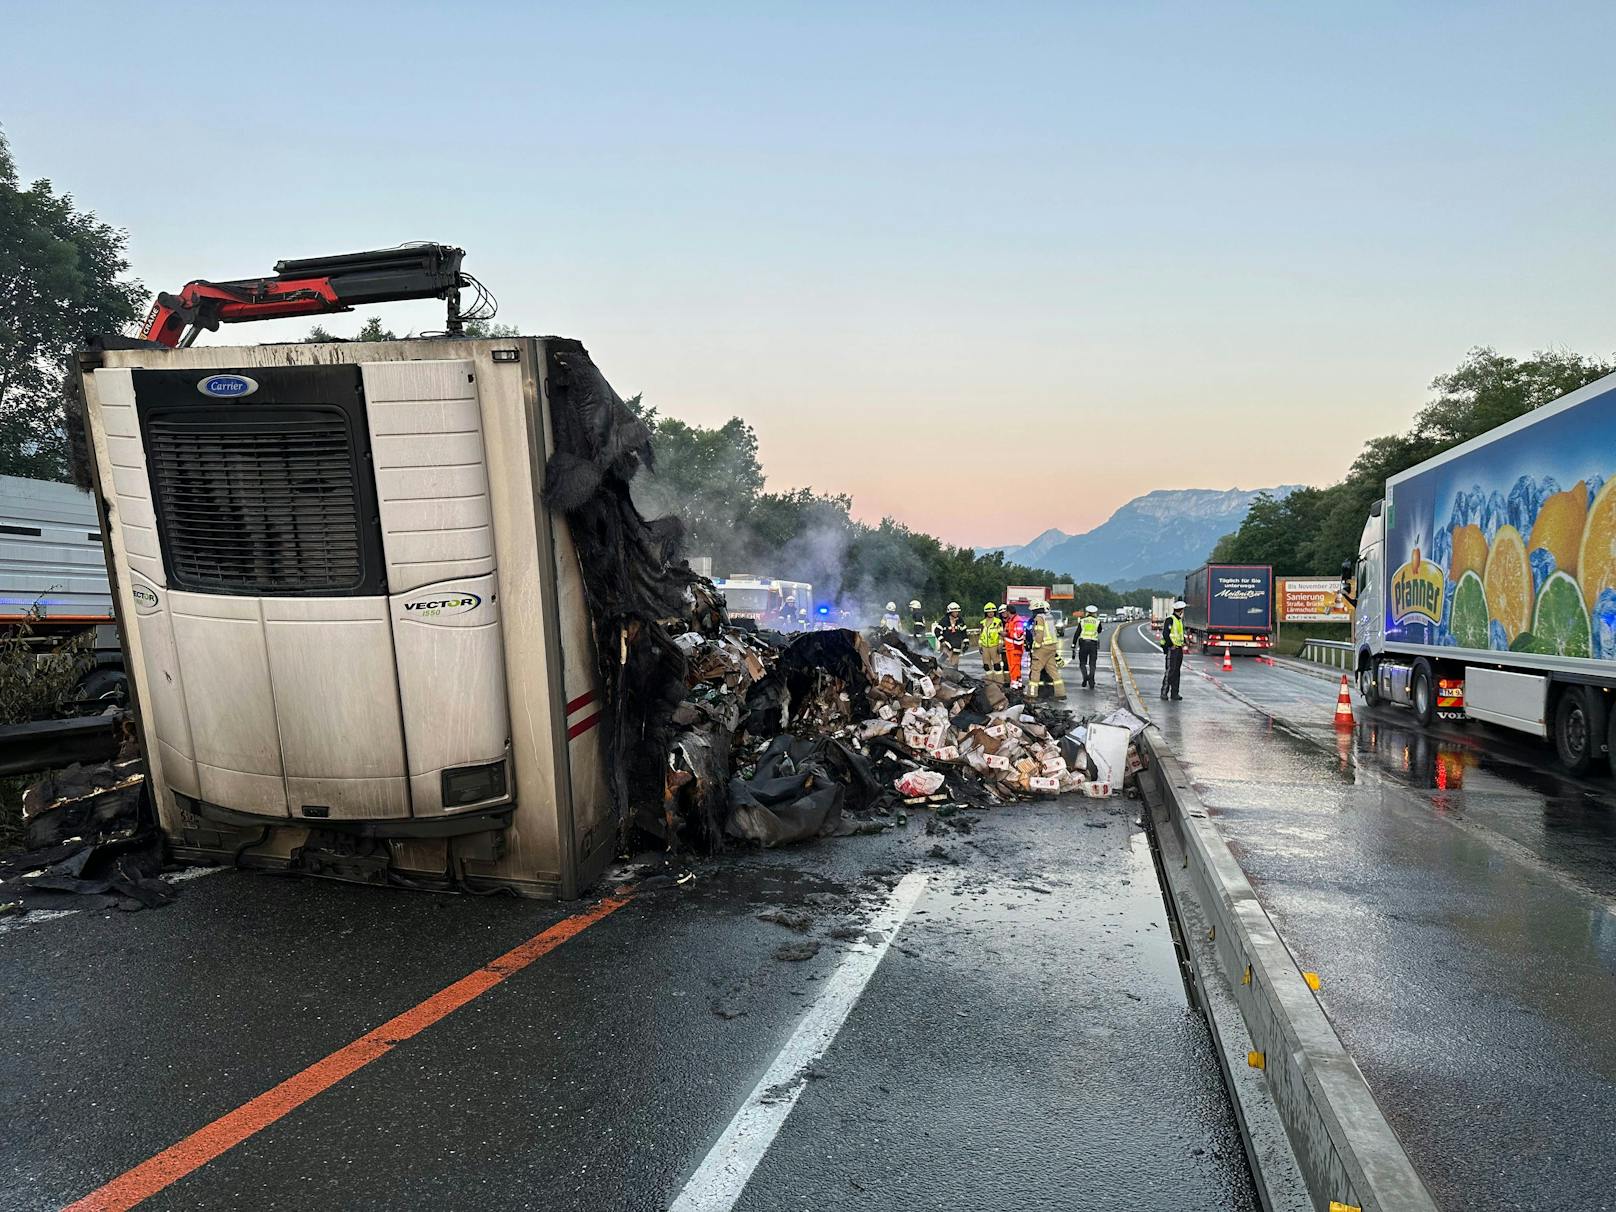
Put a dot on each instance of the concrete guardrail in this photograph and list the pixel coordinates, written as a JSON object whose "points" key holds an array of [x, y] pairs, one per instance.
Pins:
{"points": [[1339, 1142]]}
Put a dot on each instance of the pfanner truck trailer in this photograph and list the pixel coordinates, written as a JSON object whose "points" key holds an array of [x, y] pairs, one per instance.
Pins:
{"points": [[1486, 580], [357, 639], [1230, 606]]}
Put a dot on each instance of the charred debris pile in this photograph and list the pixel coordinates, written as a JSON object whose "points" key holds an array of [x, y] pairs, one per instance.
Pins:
{"points": [[716, 735], [782, 738]]}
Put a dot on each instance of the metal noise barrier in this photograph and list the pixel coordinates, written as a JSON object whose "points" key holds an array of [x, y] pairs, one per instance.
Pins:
{"points": [[1347, 1153]]}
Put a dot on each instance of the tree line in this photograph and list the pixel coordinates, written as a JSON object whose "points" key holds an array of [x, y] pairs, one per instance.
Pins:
{"points": [[1312, 531], [712, 479]]}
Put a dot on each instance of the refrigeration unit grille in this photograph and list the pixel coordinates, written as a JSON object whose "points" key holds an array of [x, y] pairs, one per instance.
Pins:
{"points": [[264, 503]]}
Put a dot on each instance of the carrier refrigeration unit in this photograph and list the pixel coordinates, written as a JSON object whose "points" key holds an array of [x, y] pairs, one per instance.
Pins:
{"points": [[357, 639]]}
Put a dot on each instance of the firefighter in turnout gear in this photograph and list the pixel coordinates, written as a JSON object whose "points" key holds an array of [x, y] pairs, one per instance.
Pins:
{"points": [[917, 621], [991, 643], [890, 620], [1043, 650], [951, 635], [1173, 651], [1088, 645]]}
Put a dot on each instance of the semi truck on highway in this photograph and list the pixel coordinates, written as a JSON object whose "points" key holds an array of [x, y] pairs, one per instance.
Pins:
{"points": [[1230, 606], [1485, 581]]}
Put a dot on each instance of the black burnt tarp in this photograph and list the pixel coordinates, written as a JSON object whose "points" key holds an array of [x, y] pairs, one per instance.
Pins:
{"points": [[634, 581], [89, 842]]}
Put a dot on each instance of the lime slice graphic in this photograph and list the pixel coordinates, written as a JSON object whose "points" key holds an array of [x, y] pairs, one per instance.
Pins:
{"points": [[1560, 625], [1468, 623]]}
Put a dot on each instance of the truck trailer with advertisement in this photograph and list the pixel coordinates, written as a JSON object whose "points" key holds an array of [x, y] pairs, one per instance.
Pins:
{"points": [[1230, 606], [1485, 580]]}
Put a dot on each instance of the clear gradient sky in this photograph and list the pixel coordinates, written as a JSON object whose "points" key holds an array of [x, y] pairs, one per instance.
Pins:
{"points": [[989, 268]]}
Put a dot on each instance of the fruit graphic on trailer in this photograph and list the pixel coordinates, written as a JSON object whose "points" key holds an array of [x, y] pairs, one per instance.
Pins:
{"points": [[1559, 526], [1468, 620], [1508, 582], [1596, 559], [1560, 625], [1469, 552]]}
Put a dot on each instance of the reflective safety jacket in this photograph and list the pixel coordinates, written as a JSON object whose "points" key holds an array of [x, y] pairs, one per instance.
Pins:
{"points": [[992, 632], [1173, 632], [1043, 632], [1089, 628], [1015, 629]]}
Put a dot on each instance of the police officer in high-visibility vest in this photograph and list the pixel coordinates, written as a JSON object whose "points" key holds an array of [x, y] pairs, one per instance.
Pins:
{"points": [[1088, 645], [1173, 650], [1043, 650], [990, 641]]}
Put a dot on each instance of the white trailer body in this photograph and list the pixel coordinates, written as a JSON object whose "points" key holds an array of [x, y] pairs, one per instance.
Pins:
{"points": [[357, 640], [1485, 582]]}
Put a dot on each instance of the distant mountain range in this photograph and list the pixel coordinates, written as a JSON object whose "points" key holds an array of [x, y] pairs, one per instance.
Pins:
{"points": [[1149, 542]]}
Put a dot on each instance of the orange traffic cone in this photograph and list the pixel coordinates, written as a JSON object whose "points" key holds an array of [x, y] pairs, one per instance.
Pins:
{"points": [[1228, 665], [1343, 706]]}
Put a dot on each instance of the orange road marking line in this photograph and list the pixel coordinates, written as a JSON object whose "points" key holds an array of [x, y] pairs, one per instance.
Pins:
{"points": [[233, 1127]]}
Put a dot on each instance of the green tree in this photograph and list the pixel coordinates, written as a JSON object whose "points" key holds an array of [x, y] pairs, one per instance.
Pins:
{"points": [[61, 278], [1316, 530]]}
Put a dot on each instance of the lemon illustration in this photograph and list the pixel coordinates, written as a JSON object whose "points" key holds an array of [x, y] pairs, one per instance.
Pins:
{"points": [[1596, 559], [1469, 552], [1468, 618], [1560, 626], [1508, 582], [1559, 526]]}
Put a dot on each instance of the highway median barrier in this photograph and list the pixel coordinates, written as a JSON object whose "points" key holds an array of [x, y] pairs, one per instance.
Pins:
{"points": [[1312, 1129]]}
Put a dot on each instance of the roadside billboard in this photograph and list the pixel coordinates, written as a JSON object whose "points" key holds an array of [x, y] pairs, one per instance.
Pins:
{"points": [[1312, 600]]}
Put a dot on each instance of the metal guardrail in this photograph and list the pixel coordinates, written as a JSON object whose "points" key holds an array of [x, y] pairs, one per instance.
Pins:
{"points": [[1337, 654], [46, 744]]}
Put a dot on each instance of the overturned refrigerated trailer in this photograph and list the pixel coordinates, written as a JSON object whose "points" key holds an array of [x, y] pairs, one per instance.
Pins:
{"points": [[360, 640]]}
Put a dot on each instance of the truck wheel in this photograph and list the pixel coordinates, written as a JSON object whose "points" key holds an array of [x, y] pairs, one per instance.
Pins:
{"points": [[106, 685], [1424, 694], [1579, 722], [1369, 687]]}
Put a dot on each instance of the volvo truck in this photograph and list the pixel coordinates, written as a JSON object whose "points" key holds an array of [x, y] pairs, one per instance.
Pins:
{"points": [[1485, 583]]}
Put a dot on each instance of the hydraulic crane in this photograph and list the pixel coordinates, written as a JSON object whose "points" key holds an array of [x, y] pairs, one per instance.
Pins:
{"points": [[314, 286]]}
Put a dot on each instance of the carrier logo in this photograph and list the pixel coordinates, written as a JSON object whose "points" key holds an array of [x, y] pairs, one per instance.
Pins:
{"points": [[145, 598], [227, 387], [1417, 590], [440, 605]]}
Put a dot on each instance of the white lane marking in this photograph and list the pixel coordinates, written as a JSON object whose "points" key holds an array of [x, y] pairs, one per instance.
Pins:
{"points": [[1144, 634], [36, 917], [722, 1176]]}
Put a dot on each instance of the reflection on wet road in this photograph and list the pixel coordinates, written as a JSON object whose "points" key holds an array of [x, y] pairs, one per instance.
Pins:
{"points": [[1459, 899]]}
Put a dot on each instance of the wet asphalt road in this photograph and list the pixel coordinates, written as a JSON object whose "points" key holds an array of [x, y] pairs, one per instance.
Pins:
{"points": [[1024, 1043], [1457, 896]]}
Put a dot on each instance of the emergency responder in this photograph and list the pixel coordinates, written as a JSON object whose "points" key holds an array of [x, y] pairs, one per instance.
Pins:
{"points": [[1043, 650], [991, 644], [951, 635], [788, 612], [917, 622], [1015, 641], [1088, 645], [890, 620], [1173, 651]]}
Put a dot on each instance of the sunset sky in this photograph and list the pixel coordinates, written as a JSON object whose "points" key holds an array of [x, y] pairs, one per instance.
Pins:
{"points": [[989, 269]]}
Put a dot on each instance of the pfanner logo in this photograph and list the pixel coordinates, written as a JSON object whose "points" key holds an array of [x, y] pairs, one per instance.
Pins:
{"points": [[442, 604], [1417, 591], [227, 387]]}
